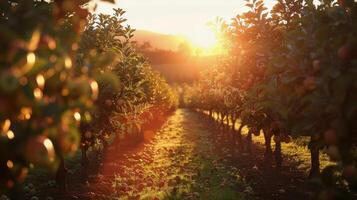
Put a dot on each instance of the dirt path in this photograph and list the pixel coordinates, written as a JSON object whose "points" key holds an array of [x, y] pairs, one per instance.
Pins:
{"points": [[180, 162], [189, 159]]}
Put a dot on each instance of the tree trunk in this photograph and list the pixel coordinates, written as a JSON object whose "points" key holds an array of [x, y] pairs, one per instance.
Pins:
{"points": [[227, 121], [222, 121], [61, 176], [233, 130], [84, 163], [233, 134], [315, 158], [277, 152], [268, 151], [249, 142], [234, 120], [239, 138]]}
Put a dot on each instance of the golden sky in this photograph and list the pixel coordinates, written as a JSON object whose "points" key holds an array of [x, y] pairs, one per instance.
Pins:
{"points": [[179, 17]]}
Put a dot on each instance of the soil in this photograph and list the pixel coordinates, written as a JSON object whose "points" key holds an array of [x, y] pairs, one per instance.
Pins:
{"points": [[187, 158]]}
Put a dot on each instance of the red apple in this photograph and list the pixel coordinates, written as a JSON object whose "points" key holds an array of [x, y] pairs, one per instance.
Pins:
{"points": [[344, 53]]}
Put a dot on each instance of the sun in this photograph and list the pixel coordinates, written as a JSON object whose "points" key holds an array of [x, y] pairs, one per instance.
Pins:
{"points": [[204, 39]]}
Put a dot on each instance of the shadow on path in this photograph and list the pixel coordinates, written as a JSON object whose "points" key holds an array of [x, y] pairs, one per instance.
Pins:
{"points": [[189, 159]]}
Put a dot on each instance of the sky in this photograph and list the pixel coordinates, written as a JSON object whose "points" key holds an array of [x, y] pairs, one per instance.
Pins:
{"points": [[179, 17]]}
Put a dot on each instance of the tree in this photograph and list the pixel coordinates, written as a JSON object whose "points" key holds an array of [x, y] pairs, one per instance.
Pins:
{"points": [[44, 93], [294, 72]]}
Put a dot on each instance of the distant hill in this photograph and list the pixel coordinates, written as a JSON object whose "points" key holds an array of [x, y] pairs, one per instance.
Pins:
{"points": [[172, 56], [159, 40]]}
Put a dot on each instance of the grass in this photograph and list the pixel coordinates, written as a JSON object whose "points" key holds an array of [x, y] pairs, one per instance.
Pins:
{"points": [[40, 181], [184, 160], [296, 150], [183, 165]]}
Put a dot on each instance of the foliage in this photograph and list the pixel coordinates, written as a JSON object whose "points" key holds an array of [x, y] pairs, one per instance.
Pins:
{"points": [[291, 71], [131, 92], [69, 79], [43, 95]]}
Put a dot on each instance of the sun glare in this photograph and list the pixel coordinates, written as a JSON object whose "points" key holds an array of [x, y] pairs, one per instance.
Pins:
{"points": [[205, 40]]}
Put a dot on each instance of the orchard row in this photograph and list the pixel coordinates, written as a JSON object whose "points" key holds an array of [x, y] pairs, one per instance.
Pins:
{"points": [[69, 80], [287, 73]]}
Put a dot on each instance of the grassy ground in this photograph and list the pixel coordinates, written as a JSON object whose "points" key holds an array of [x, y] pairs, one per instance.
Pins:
{"points": [[179, 163], [40, 183], [187, 158], [296, 150]]}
